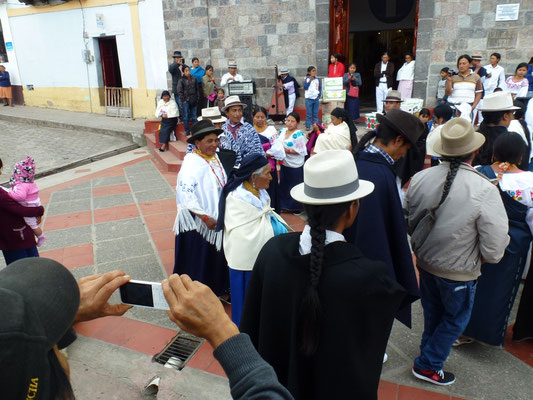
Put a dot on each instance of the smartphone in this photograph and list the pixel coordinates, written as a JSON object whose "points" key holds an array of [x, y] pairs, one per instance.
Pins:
{"points": [[143, 294]]}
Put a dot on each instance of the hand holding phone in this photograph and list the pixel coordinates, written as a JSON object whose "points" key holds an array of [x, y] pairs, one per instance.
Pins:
{"points": [[143, 294]]}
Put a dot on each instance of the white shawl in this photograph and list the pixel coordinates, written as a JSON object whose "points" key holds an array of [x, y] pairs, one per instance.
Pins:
{"points": [[335, 137], [406, 72], [246, 227], [198, 191]]}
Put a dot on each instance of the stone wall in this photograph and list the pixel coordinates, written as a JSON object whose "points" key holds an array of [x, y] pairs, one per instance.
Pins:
{"points": [[256, 33], [449, 28]]}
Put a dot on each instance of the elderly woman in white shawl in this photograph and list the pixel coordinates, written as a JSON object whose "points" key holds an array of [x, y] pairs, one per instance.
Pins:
{"points": [[198, 250], [248, 222]]}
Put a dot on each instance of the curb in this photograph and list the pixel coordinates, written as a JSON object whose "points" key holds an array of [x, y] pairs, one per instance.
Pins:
{"points": [[135, 137]]}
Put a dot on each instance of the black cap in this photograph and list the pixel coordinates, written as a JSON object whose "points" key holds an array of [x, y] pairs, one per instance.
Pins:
{"points": [[38, 301]]}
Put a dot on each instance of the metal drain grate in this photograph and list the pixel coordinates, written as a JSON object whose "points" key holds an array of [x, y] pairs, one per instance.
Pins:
{"points": [[179, 351]]}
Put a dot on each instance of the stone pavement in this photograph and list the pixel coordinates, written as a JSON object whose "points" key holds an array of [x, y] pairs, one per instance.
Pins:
{"points": [[50, 147], [118, 213]]}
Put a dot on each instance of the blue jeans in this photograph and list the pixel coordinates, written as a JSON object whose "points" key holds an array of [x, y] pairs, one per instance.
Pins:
{"points": [[189, 113], [311, 112], [180, 107], [447, 307], [14, 255]]}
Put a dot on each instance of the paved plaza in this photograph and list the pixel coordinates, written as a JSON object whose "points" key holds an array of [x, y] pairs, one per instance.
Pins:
{"points": [[119, 213]]}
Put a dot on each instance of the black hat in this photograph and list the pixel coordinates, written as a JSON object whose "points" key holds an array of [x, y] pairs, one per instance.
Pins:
{"points": [[38, 301], [177, 54], [201, 129], [404, 123]]}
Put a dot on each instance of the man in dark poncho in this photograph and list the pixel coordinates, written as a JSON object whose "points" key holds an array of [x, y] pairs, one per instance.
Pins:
{"points": [[380, 231], [291, 89]]}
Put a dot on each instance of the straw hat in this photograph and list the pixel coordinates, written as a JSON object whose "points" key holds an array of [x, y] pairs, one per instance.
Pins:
{"points": [[458, 138], [212, 114], [394, 95], [498, 101], [232, 101], [330, 177], [404, 123]]}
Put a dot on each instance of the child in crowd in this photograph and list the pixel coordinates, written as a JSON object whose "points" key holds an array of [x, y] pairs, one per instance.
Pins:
{"points": [[518, 84], [219, 101], [25, 192], [441, 86], [425, 116], [292, 170], [313, 92]]}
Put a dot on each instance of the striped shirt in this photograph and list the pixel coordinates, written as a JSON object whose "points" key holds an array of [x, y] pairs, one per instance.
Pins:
{"points": [[464, 88]]}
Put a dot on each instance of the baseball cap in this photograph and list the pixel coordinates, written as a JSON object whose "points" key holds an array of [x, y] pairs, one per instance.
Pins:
{"points": [[38, 301]]}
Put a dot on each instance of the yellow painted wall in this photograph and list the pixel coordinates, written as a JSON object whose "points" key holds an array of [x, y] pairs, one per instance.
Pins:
{"points": [[77, 99]]}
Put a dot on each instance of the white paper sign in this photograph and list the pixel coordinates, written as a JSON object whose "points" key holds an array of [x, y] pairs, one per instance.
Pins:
{"points": [[507, 12]]}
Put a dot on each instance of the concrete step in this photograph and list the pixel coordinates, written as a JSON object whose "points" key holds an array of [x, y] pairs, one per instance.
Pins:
{"points": [[178, 148], [168, 160], [151, 126]]}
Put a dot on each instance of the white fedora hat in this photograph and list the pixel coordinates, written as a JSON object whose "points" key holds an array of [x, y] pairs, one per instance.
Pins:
{"points": [[212, 114], [232, 101], [330, 177], [498, 101], [458, 138]]}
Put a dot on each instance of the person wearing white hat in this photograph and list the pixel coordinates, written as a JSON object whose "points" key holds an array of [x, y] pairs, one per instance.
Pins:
{"points": [[497, 111], [290, 89], [230, 76], [457, 221], [239, 136], [311, 290]]}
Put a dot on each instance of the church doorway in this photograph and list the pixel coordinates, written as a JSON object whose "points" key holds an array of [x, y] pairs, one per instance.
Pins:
{"points": [[373, 27]]}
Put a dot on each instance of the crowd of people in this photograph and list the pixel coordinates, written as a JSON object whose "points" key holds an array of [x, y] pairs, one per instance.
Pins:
{"points": [[368, 205]]}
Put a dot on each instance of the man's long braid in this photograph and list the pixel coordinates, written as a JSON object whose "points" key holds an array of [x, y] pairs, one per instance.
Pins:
{"points": [[455, 163]]}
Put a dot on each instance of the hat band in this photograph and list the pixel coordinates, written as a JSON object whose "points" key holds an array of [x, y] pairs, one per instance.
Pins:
{"points": [[331, 192], [393, 98]]}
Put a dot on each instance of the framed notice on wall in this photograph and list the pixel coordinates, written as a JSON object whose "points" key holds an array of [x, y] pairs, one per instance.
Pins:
{"points": [[507, 12]]}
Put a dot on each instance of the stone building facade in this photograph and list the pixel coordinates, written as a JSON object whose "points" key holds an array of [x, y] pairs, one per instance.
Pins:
{"points": [[259, 34], [449, 28]]}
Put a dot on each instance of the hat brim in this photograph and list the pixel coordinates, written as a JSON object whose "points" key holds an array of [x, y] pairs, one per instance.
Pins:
{"points": [[395, 100], [511, 108], [478, 141], [203, 133], [219, 120], [364, 189], [233, 104]]}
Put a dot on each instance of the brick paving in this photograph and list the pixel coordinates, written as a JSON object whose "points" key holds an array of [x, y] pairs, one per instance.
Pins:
{"points": [[122, 217]]}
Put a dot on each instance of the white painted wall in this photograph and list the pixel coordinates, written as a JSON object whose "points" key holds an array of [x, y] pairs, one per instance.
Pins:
{"points": [[154, 45], [11, 66], [49, 45]]}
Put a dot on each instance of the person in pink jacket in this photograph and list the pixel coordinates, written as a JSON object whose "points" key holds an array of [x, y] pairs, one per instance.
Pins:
{"points": [[25, 192]]}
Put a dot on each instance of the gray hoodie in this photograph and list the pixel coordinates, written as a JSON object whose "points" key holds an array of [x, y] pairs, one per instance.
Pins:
{"points": [[471, 225]]}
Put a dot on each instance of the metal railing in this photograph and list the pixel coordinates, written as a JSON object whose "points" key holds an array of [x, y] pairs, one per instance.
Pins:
{"points": [[118, 102]]}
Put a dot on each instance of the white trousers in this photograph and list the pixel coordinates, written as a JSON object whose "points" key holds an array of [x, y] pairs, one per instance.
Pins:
{"points": [[290, 106], [381, 94]]}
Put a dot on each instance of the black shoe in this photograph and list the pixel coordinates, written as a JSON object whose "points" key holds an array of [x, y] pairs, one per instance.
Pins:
{"points": [[161, 150], [6, 105], [439, 377]]}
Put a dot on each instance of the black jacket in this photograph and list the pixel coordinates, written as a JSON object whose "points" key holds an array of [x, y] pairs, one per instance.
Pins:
{"points": [[175, 72], [358, 302], [188, 90], [389, 72]]}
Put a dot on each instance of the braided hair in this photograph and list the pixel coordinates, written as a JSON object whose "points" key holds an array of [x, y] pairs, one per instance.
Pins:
{"points": [[455, 163], [320, 218], [343, 114]]}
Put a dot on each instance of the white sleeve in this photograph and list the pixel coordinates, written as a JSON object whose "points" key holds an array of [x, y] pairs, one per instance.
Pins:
{"points": [[501, 79], [224, 80], [523, 91], [529, 116]]}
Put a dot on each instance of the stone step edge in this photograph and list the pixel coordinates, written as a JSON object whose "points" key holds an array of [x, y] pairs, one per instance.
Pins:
{"points": [[135, 137]]}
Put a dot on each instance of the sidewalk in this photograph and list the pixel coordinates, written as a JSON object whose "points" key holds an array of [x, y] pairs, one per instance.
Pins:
{"points": [[118, 213], [53, 118]]}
